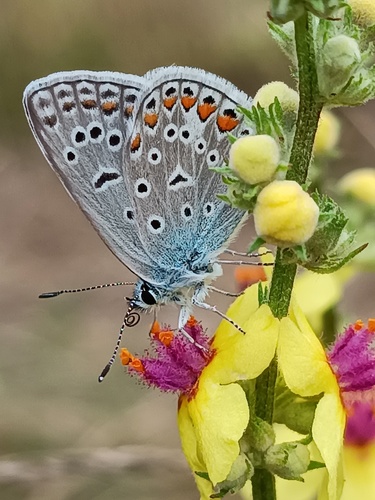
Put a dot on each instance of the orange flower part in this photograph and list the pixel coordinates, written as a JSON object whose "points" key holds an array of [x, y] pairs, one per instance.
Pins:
{"points": [[246, 276], [137, 365], [358, 325], [371, 325], [126, 357]]}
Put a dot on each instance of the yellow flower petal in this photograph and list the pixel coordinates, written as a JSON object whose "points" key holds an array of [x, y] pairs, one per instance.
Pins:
{"points": [[190, 448], [220, 415], [234, 359], [316, 294], [359, 463], [328, 430], [302, 360]]}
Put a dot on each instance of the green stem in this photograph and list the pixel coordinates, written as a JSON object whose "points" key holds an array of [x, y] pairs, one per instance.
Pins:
{"points": [[263, 482]]}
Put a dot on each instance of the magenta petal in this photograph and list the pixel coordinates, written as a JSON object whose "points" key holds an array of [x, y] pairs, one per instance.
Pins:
{"points": [[360, 427], [176, 367], [352, 359]]}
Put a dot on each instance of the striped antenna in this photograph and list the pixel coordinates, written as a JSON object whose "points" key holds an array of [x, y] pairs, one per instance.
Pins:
{"points": [[131, 318], [48, 295]]}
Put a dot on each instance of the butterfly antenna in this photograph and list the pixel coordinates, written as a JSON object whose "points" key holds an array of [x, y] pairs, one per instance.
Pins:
{"points": [[131, 318], [48, 295]]}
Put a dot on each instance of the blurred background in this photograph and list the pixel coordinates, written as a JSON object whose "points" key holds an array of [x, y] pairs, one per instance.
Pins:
{"points": [[62, 435]]}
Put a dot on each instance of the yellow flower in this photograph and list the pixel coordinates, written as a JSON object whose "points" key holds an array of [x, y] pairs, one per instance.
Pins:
{"points": [[213, 411], [306, 371], [254, 158], [360, 184], [328, 133], [212, 422], [288, 98], [285, 214]]}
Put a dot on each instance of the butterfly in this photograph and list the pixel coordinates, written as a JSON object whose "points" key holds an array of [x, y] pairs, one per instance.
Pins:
{"points": [[135, 154]]}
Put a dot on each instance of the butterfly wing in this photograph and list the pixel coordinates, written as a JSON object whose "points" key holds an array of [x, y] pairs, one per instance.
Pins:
{"points": [[180, 131], [81, 121]]}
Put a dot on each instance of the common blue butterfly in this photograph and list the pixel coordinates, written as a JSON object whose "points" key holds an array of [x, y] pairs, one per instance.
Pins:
{"points": [[135, 154]]}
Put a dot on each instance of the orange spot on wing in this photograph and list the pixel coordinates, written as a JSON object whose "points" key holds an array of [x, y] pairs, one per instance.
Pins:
{"points": [[169, 102], [205, 110], [371, 325], [67, 106], [188, 102], [128, 111], [89, 103], [151, 119], [227, 123], [109, 106], [136, 142]]}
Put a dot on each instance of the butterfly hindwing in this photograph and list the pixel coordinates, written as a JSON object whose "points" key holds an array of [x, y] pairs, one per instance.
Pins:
{"points": [[81, 121]]}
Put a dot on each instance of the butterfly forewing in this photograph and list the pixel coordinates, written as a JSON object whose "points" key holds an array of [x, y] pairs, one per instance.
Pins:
{"points": [[180, 131], [81, 121]]}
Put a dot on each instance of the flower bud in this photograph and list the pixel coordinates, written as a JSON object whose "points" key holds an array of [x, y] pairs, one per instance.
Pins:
{"points": [[363, 12], [254, 158], [285, 214], [360, 184], [288, 460], [288, 98], [340, 58], [327, 134]]}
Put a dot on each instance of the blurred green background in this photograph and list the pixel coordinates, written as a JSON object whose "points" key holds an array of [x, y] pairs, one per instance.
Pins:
{"points": [[62, 435]]}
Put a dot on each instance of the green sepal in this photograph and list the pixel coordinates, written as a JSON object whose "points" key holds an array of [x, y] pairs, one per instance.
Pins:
{"points": [[288, 460], [330, 247], [283, 11], [203, 475], [242, 471], [294, 411], [316, 465], [259, 242]]}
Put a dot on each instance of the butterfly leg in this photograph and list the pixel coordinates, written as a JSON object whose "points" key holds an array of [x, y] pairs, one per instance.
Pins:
{"points": [[224, 292], [243, 262], [208, 307], [182, 320], [244, 254]]}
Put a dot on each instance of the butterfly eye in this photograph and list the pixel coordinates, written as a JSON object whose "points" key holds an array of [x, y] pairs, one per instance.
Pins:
{"points": [[147, 296]]}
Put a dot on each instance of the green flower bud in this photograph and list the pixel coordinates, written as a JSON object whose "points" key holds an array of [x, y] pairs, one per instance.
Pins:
{"points": [[288, 460], [340, 58]]}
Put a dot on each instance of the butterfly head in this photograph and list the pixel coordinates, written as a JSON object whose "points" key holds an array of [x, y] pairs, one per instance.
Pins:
{"points": [[145, 295]]}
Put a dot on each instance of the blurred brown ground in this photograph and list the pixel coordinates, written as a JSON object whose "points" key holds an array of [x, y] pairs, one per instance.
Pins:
{"points": [[52, 407]]}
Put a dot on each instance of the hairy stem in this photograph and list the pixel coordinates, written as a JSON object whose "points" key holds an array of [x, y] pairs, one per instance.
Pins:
{"points": [[263, 482]]}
